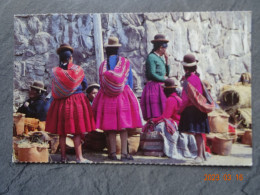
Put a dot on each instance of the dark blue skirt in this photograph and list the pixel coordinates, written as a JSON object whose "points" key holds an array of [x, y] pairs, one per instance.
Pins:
{"points": [[194, 121]]}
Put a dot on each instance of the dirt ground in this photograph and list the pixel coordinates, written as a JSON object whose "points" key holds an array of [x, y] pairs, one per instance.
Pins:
{"points": [[241, 155]]}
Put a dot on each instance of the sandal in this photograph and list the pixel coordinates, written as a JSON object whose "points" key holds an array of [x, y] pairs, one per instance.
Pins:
{"points": [[198, 160], [84, 161], [126, 157], [112, 156], [63, 160]]}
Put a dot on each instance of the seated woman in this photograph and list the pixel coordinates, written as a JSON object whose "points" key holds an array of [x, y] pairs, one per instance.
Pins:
{"points": [[176, 144], [34, 107]]}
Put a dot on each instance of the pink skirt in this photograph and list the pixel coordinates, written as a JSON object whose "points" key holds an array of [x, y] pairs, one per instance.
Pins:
{"points": [[72, 115], [153, 100], [117, 113]]}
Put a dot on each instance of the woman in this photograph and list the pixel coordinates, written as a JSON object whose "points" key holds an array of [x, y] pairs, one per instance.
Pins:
{"points": [[70, 111], [115, 106], [192, 119], [153, 99], [176, 144]]}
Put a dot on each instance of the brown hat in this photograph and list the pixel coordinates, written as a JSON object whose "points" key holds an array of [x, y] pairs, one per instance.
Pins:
{"points": [[169, 83], [94, 85], [159, 38], [189, 60], [64, 47], [38, 85], [113, 42]]}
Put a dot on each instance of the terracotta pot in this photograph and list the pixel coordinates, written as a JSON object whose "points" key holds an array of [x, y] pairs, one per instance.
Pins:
{"points": [[42, 125], [30, 124], [222, 146], [247, 137], [33, 154], [19, 120]]}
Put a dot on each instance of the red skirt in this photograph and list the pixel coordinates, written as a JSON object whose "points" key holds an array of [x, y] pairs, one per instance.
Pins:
{"points": [[72, 115]]}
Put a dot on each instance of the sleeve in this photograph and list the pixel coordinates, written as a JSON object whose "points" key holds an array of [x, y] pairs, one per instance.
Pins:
{"points": [[130, 78], [151, 69], [167, 70], [185, 100], [167, 113], [33, 110], [84, 84]]}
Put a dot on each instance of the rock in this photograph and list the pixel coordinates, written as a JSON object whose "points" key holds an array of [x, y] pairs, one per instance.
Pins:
{"points": [[154, 16], [176, 16], [134, 38], [187, 16], [215, 35], [233, 44], [204, 16], [151, 32], [35, 25], [194, 39], [41, 42]]}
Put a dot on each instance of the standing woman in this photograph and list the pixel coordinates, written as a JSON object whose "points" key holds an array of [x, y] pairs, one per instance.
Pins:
{"points": [[115, 106], [192, 119], [153, 99], [70, 111]]}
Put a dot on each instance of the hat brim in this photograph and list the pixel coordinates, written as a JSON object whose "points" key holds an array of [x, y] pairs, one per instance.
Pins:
{"points": [[93, 85], [160, 40], [38, 88], [117, 45], [64, 48], [170, 87], [189, 64]]}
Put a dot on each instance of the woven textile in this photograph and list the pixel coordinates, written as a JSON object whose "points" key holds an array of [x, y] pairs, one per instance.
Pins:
{"points": [[203, 102], [66, 82], [171, 127], [113, 81]]}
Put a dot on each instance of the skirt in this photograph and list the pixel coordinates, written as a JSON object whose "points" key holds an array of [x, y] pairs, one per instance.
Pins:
{"points": [[118, 112], [72, 115], [194, 121], [153, 100], [179, 145]]}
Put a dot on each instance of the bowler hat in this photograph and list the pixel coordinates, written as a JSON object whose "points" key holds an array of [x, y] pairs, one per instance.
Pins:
{"points": [[38, 85], [64, 47], [159, 38], [189, 60], [169, 83], [94, 85], [113, 42]]}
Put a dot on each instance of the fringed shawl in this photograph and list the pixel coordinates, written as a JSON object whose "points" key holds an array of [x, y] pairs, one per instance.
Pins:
{"points": [[113, 81], [66, 82]]}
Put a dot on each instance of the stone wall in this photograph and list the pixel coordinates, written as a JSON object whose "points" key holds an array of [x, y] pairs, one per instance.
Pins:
{"points": [[220, 40]]}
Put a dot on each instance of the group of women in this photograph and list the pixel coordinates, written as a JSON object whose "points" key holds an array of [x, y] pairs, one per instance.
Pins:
{"points": [[115, 108]]}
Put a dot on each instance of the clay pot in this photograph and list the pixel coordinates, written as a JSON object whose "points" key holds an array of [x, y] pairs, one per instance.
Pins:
{"points": [[222, 146], [19, 120], [33, 154], [247, 137]]}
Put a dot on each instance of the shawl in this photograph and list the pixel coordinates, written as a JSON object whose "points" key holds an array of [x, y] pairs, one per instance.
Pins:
{"points": [[66, 82], [170, 126], [204, 102], [113, 81]]}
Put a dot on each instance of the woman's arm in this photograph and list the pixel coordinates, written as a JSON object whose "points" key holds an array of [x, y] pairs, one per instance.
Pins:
{"points": [[151, 69]]}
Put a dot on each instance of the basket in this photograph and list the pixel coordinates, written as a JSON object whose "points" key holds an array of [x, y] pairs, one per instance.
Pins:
{"points": [[33, 154], [19, 120], [218, 122]]}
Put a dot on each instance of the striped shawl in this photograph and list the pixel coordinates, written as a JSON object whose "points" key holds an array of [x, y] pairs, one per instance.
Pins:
{"points": [[66, 82], [113, 81], [203, 102]]}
